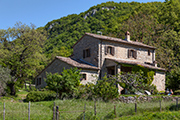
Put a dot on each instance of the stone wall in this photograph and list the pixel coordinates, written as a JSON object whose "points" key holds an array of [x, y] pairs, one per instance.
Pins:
{"points": [[92, 76], [134, 99], [86, 43], [159, 80], [98, 56], [121, 52], [57, 66]]}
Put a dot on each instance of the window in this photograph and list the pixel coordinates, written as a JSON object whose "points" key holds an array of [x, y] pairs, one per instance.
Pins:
{"points": [[86, 53], [38, 82], [132, 54], [109, 50], [83, 77], [149, 52]]}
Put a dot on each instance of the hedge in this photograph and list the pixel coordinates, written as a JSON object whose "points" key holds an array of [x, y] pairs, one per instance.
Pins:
{"points": [[35, 96]]}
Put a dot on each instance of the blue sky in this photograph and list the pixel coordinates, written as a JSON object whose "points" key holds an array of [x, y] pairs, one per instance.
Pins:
{"points": [[40, 12]]}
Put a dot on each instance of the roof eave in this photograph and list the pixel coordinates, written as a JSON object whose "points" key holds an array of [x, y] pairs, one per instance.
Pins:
{"points": [[151, 47], [154, 68], [125, 42]]}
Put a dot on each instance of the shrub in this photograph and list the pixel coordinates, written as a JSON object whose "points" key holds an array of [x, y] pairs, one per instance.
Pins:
{"points": [[64, 83], [35, 96], [81, 92], [104, 89], [177, 92]]}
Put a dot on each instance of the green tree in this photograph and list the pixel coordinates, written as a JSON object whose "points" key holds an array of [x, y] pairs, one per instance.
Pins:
{"points": [[106, 88], [173, 79], [168, 50], [135, 81], [64, 83], [170, 14], [5, 77], [142, 27], [21, 51]]}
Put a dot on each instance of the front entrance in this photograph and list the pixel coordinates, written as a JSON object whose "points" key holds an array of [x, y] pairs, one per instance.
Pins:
{"points": [[111, 70]]}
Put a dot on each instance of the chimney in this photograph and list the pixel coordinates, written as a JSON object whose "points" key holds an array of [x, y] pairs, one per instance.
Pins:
{"points": [[127, 36]]}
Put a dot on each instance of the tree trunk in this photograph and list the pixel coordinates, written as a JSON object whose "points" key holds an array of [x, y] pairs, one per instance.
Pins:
{"points": [[12, 88]]}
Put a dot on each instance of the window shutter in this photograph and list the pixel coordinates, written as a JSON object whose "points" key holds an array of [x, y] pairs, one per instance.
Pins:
{"points": [[135, 54], [84, 52], [112, 51], [129, 52]]}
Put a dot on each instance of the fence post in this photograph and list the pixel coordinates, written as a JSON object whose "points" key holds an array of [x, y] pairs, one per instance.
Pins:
{"points": [[84, 111], [160, 104], [115, 111], [57, 112], [135, 107], [29, 111], [54, 112], [177, 103], [95, 107], [4, 112]]}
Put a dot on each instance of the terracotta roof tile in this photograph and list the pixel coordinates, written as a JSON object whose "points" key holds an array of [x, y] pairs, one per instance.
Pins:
{"points": [[76, 63], [136, 63]]}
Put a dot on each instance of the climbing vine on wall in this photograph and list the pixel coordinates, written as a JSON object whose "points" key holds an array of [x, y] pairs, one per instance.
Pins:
{"points": [[148, 74]]}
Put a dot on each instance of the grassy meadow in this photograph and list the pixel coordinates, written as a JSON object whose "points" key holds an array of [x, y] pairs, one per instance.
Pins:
{"points": [[72, 109]]}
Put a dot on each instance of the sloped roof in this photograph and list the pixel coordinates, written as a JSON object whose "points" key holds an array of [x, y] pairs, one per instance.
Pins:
{"points": [[72, 62], [77, 63], [102, 37], [136, 63]]}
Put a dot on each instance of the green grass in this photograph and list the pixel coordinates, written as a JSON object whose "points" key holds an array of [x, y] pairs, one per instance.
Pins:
{"points": [[105, 110], [18, 110], [22, 92], [167, 115]]}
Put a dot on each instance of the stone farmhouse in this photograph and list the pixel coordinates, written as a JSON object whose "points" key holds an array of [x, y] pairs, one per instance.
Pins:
{"points": [[97, 55]]}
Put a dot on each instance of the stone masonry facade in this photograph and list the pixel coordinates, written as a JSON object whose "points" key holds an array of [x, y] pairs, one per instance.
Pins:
{"points": [[97, 55], [57, 66]]}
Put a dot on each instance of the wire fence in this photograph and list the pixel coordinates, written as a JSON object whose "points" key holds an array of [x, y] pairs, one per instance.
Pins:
{"points": [[81, 110]]}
